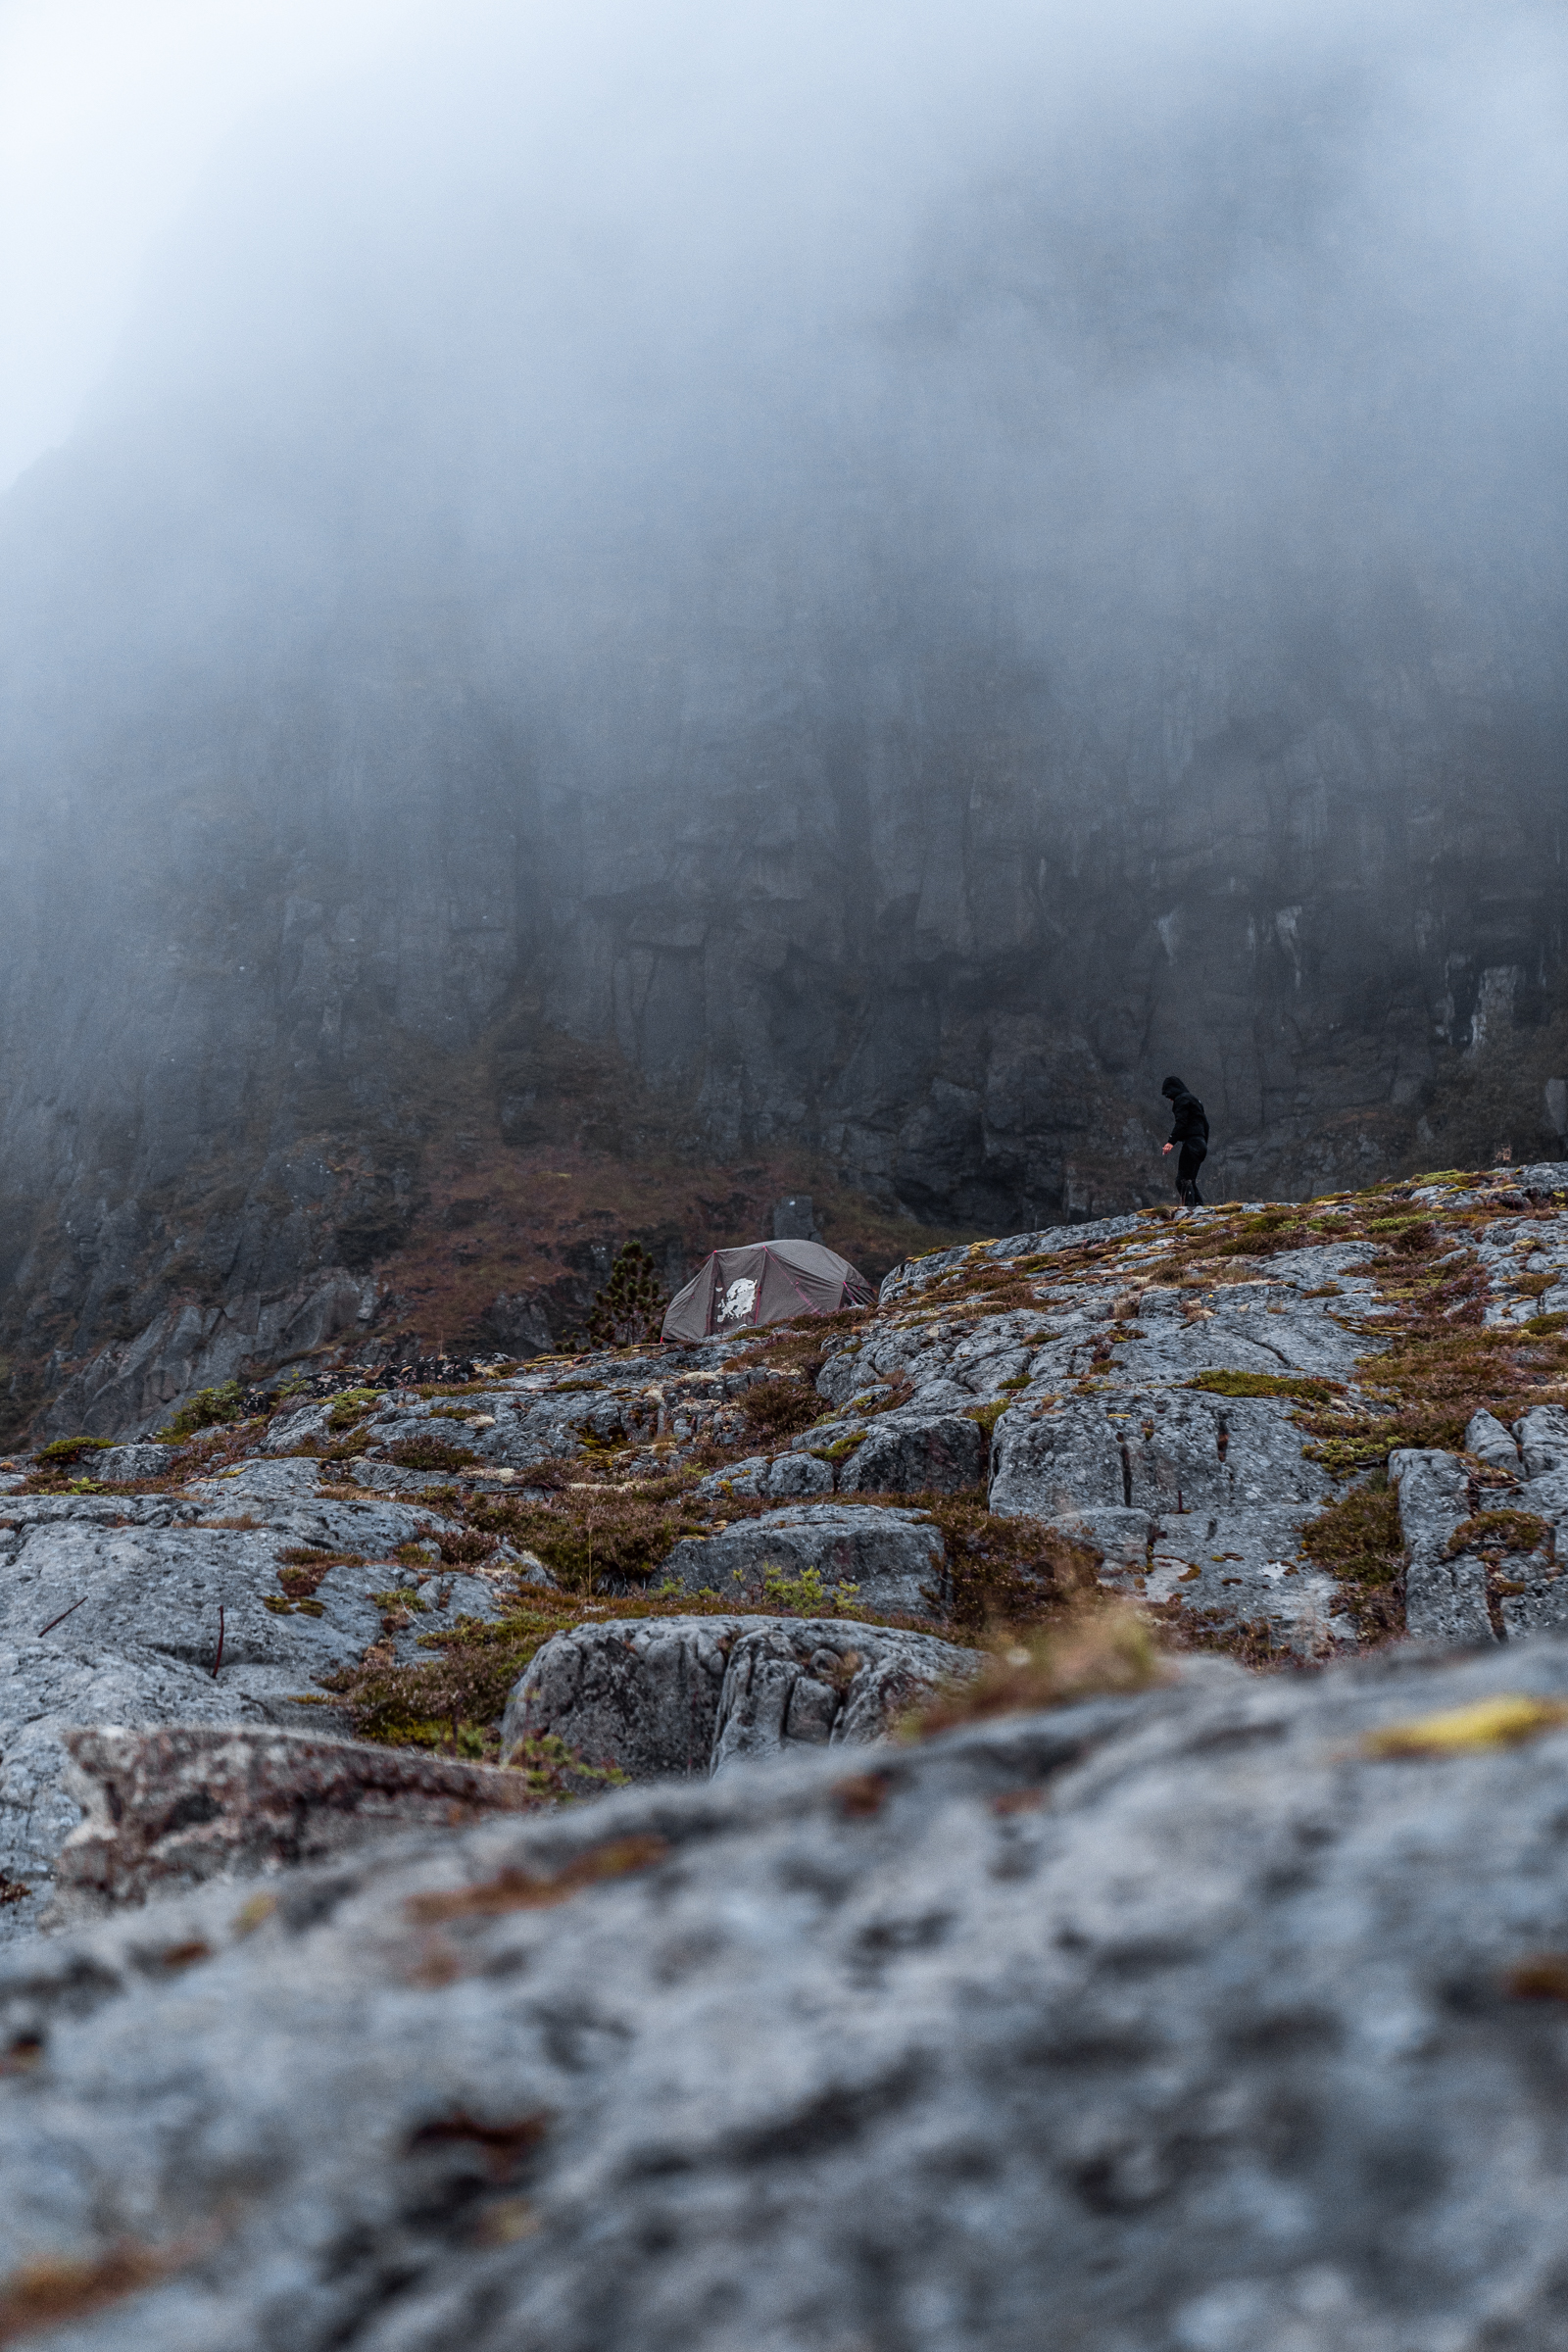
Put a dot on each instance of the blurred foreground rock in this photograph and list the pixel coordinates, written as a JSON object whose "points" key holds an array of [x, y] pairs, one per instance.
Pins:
{"points": [[1226, 2016], [176, 1807]]}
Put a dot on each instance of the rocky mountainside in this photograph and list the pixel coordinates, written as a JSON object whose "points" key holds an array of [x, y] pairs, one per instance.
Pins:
{"points": [[1284, 1433], [829, 666]]}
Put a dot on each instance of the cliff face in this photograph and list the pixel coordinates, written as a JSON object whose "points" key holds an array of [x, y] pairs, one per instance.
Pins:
{"points": [[857, 736]]}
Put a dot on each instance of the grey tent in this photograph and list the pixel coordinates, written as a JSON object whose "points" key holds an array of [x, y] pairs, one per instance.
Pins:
{"points": [[763, 1282]]}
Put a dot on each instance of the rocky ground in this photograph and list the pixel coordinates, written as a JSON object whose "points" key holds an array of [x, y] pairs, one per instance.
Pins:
{"points": [[1212, 2017], [1286, 1431], [1039, 1512]]}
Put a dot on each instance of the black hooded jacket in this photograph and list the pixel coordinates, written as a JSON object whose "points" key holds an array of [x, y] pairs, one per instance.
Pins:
{"points": [[1190, 1126]]}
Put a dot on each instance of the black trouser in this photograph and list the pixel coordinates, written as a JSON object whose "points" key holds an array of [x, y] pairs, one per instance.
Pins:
{"points": [[1187, 1167]]}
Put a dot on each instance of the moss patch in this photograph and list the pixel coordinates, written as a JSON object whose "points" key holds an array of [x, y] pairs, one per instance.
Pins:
{"points": [[1359, 1542], [1304, 1388]]}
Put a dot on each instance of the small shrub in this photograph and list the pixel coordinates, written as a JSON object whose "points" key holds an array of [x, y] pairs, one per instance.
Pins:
{"points": [[1358, 1539], [1006, 1571], [555, 1773], [428, 1453], [588, 1538], [776, 1409], [1252, 1641], [465, 1547], [807, 1595], [1500, 1531], [1096, 1652], [1275, 1231], [208, 1408]]}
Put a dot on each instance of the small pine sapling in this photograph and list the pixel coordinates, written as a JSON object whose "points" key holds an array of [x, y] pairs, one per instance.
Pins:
{"points": [[631, 1305]]}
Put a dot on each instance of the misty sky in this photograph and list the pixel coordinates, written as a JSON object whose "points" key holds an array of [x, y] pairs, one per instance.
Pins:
{"points": [[1020, 300], [817, 435], [109, 110]]}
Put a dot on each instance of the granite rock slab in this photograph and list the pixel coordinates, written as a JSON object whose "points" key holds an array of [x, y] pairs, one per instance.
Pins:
{"points": [[1182, 2023], [894, 1557]]}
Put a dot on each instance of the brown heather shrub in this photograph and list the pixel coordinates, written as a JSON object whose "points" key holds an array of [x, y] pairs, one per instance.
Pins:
{"points": [[777, 1409], [1092, 1652], [1004, 1571], [1359, 1542], [1254, 1641], [428, 1453], [465, 1547], [452, 1699], [592, 1536]]}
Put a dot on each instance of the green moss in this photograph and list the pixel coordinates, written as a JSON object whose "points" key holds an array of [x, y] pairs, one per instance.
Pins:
{"points": [[988, 1416], [1303, 1387], [208, 1408], [65, 1451], [839, 1449], [350, 1407]]}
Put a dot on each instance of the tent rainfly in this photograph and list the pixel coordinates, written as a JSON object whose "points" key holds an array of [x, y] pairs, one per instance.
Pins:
{"points": [[763, 1282]]}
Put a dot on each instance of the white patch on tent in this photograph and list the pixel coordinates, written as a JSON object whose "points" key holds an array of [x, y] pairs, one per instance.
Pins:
{"points": [[737, 1302]]}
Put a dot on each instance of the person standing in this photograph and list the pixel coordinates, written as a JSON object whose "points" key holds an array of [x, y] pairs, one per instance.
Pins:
{"points": [[1189, 1135]]}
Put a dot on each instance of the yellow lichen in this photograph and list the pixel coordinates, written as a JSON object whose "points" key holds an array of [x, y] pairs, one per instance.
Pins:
{"points": [[1502, 1721]]}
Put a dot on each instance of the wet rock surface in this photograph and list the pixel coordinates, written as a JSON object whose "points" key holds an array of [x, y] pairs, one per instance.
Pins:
{"points": [[1207, 2018]]}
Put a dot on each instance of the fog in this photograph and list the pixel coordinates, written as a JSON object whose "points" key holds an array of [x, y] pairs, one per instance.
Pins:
{"points": [[1010, 316], [910, 569]]}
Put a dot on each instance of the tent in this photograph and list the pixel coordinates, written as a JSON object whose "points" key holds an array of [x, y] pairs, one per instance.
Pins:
{"points": [[763, 1282]]}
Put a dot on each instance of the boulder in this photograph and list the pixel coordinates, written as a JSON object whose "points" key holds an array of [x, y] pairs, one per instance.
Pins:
{"points": [[641, 1693], [1153, 1449], [1543, 1436], [1445, 1599], [1222, 2017], [120, 1465], [1486, 1438], [150, 1610], [913, 1453], [685, 1695], [783, 1475], [791, 1685], [893, 1556], [174, 1807]]}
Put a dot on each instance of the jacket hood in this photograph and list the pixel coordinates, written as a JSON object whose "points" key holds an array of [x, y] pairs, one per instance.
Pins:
{"points": [[1174, 1087]]}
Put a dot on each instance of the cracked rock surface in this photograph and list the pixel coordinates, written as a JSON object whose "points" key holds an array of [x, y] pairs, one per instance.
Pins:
{"points": [[689, 1696], [1187, 1397], [112, 1609], [1191, 2021]]}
